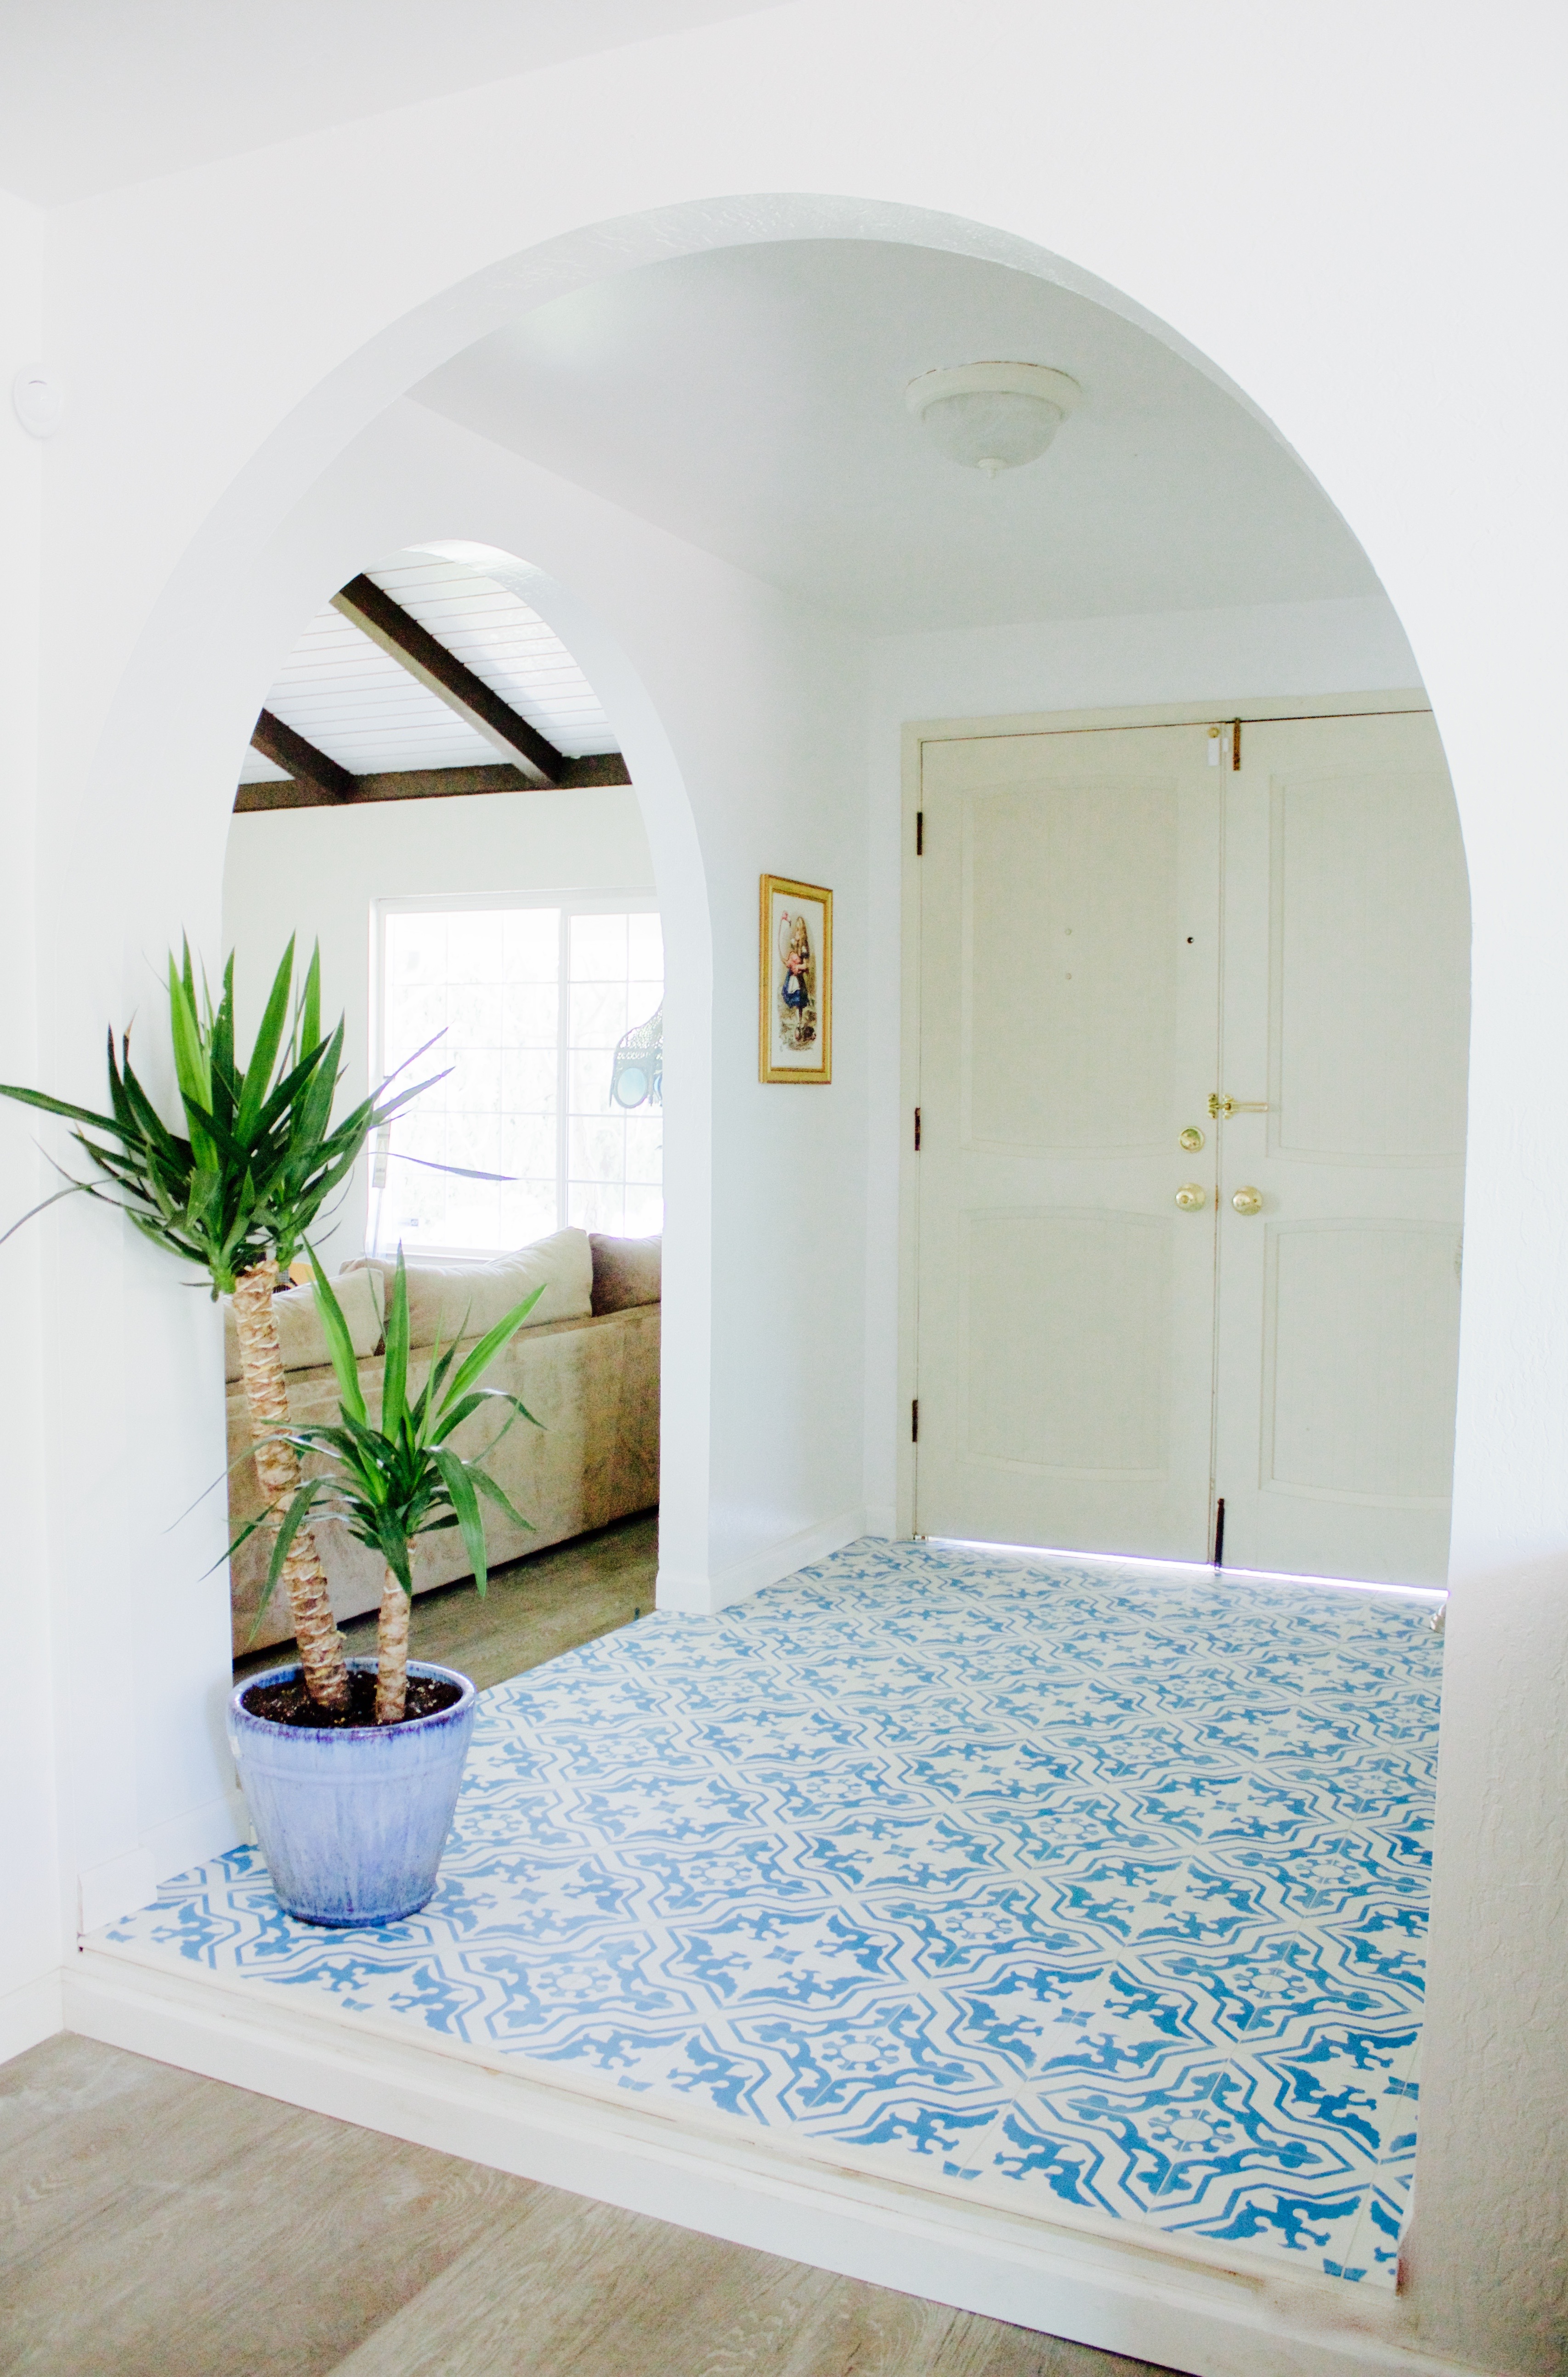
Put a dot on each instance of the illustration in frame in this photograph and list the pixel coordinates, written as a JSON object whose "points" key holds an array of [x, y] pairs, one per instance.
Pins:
{"points": [[796, 982]]}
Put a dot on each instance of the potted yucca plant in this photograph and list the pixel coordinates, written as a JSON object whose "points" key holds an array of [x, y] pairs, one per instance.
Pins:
{"points": [[234, 1192], [353, 1805]]}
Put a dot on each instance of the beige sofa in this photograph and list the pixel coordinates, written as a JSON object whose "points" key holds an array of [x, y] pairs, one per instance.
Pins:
{"points": [[587, 1368]]}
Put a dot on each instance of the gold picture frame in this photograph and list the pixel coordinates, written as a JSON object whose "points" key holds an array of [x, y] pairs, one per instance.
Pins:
{"points": [[794, 981]]}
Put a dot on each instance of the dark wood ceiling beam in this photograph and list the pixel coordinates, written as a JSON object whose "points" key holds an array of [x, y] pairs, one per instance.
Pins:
{"points": [[594, 768], [441, 672], [424, 785], [304, 761]]}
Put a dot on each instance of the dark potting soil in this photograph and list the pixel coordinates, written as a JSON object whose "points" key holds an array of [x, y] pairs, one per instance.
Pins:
{"points": [[290, 1704]]}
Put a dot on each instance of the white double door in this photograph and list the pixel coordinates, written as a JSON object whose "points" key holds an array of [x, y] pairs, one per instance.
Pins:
{"points": [[1130, 1306]]}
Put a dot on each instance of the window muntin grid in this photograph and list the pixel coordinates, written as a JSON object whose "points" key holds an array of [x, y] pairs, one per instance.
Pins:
{"points": [[532, 999]]}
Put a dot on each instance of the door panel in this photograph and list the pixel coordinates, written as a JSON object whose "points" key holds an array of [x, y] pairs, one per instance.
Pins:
{"points": [[1346, 1413], [1369, 1010], [1069, 1032], [1346, 1007], [1055, 1299], [1069, 965]]}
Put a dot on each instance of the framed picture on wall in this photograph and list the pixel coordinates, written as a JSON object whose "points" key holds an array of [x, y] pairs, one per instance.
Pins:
{"points": [[796, 982]]}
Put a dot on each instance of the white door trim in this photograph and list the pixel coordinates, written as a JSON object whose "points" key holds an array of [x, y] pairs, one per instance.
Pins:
{"points": [[916, 735]]}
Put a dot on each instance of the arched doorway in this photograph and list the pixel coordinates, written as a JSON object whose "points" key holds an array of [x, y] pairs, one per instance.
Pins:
{"points": [[435, 802], [749, 397], [721, 1470]]}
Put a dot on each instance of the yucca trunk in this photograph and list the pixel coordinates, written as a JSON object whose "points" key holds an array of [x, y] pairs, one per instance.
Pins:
{"points": [[276, 1465], [392, 1653]]}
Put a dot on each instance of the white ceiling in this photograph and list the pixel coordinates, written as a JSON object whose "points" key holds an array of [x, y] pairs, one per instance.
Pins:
{"points": [[352, 700], [94, 94], [750, 400]]}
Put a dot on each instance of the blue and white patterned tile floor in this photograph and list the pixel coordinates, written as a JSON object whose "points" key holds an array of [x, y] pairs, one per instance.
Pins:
{"points": [[1076, 1888]]}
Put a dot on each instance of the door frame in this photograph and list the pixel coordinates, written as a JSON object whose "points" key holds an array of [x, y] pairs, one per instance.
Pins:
{"points": [[916, 734]]}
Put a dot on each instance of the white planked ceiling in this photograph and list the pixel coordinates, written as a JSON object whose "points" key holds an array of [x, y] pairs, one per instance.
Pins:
{"points": [[496, 635], [353, 701]]}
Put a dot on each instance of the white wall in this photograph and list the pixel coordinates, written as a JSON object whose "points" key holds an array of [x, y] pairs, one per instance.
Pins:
{"points": [[31, 1885], [1288, 650], [316, 873], [1350, 214], [714, 683], [740, 712]]}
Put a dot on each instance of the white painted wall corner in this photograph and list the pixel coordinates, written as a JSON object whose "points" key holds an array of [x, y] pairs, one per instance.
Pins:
{"points": [[118, 1887], [33, 2013], [703, 1596], [202, 1832]]}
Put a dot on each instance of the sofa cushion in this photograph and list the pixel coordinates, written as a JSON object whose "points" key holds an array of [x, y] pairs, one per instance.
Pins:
{"points": [[626, 1271], [468, 1299], [300, 1333]]}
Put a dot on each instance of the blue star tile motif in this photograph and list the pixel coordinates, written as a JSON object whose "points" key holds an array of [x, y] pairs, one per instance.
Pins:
{"points": [[1055, 1882]]}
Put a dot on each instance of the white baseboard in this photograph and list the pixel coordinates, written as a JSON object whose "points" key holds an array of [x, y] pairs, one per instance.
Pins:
{"points": [[118, 1887], [882, 1520], [702, 1596], [1149, 2296], [205, 1832], [33, 2013]]}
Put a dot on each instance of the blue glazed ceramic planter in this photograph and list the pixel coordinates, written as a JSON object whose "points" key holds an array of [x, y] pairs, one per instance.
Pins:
{"points": [[351, 1820]]}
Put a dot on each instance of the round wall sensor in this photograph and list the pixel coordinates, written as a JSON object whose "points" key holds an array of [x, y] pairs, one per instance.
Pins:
{"points": [[39, 400], [992, 416]]}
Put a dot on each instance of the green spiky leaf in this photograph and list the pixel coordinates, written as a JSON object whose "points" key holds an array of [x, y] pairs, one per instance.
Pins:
{"points": [[394, 1374], [264, 1055], [257, 1154], [339, 1342], [459, 1483]]}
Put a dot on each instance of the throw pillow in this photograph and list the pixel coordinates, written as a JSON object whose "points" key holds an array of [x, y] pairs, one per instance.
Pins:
{"points": [[300, 1333], [626, 1271], [469, 1299]]}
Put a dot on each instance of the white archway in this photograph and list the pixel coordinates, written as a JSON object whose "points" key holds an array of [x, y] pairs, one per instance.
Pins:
{"points": [[382, 496], [134, 850]]}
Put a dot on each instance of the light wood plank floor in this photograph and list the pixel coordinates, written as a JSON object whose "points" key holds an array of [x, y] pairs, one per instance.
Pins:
{"points": [[156, 2225], [534, 1609]]}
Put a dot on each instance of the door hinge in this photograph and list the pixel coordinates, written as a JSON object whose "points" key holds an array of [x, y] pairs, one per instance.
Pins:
{"points": [[914, 1421], [917, 1130], [919, 833]]}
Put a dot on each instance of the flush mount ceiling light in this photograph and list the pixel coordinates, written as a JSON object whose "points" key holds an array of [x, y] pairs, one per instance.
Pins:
{"points": [[992, 416]]}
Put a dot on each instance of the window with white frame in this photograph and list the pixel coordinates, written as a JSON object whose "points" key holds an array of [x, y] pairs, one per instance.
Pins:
{"points": [[549, 1082]]}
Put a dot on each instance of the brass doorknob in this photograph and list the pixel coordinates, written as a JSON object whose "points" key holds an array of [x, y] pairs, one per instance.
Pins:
{"points": [[1247, 1200], [1191, 1138], [1190, 1196]]}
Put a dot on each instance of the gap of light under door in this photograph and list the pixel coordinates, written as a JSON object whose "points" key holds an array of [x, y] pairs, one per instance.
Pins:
{"points": [[1428, 1592]]}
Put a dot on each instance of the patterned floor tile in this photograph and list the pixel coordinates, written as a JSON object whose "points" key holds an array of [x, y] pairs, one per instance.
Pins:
{"points": [[1077, 1884]]}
